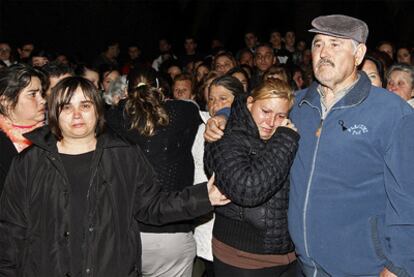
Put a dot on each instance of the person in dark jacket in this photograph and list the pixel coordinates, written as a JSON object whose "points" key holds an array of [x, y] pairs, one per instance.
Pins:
{"points": [[165, 130], [252, 163], [22, 109], [72, 201]]}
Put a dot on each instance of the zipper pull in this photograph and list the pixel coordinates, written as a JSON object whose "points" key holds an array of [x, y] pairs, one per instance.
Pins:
{"points": [[318, 131]]}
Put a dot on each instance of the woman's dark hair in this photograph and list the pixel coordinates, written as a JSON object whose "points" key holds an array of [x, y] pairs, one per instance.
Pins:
{"points": [[379, 65], [61, 95], [240, 70], [13, 80], [105, 70], [200, 99], [81, 68], [42, 53], [229, 82], [144, 106]]}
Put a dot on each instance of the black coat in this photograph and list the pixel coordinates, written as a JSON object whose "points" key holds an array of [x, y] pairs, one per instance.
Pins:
{"points": [[7, 153], [254, 174], [168, 150], [34, 210]]}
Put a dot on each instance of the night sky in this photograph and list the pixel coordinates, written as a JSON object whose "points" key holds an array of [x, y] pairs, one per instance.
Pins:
{"points": [[81, 27]]}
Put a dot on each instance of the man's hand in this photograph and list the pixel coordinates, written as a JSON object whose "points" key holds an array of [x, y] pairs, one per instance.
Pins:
{"points": [[215, 196], [287, 123], [387, 273], [214, 128]]}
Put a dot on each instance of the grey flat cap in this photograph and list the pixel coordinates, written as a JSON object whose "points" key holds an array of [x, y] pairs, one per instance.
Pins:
{"points": [[342, 26]]}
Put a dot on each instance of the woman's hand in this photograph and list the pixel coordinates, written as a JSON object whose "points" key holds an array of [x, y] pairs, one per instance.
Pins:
{"points": [[287, 123], [214, 194], [215, 128]]}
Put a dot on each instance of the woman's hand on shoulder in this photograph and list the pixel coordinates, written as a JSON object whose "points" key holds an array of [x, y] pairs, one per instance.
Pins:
{"points": [[214, 194]]}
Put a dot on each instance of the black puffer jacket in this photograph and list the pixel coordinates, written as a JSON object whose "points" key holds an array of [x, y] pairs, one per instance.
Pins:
{"points": [[254, 175], [35, 219]]}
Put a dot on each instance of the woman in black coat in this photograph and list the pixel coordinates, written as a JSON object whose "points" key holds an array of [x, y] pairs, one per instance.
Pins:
{"points": [[22, 109], [72, 201], [165, 130], [252, 163]]}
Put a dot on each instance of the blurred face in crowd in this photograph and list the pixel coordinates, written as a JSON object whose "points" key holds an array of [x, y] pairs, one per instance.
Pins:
{"points": [[371, 70], [335, 60], [201, 72], [174, 71], [183, 90], [215, 43], [301, 46], [62, 59], [223, 64], [307, 57], [53, 80], [189, 67], [298, 79], [133, 52], [5, 51], [290, 39], [268, 114], [275, 39], [113, 51], [400, 83], [250, 39], [387, 48], [164, 46], [25, 51], [39, 61], [247, 58], [78, 118], [242, 78], [190, 46], [92, 76], [30, 107], [264, 58], [403, 56], [219, 97], [108, 78]]}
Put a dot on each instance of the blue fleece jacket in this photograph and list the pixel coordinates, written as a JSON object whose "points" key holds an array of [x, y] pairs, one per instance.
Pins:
{"points": [[351, 210]]}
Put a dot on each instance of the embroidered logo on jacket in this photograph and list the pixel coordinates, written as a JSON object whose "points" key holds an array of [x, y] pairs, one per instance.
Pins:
{"points": [[357, 129]]}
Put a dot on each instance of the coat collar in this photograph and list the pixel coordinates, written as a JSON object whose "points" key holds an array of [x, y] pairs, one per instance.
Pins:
{"points": [[241, 119], [354, 97], [43, 138]]}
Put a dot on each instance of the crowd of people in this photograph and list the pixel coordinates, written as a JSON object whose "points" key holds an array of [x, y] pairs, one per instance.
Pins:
{"points": [[113, 167]]}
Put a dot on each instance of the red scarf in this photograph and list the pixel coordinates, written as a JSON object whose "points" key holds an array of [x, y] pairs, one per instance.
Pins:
{"points": [[15, 132]]}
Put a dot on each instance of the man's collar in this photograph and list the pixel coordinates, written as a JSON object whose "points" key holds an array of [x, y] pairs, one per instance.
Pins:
{"points": [[356, 95]]}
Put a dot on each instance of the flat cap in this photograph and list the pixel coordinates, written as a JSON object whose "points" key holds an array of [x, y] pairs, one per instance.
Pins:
{"points": [[342, 26]]}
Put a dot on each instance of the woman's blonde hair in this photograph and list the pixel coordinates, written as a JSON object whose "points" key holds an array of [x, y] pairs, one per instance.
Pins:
{"points": [[145, 104], [273, 88]]}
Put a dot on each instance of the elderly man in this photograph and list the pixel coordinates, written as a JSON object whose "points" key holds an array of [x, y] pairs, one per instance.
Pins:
{"points": [[351, 209]]}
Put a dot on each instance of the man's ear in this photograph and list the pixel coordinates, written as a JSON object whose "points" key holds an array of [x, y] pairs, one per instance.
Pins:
{"points": [[249, 103], [360, 53]]}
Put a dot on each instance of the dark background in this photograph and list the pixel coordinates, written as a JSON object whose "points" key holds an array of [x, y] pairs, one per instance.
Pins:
{"points": [[81, 27]]}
